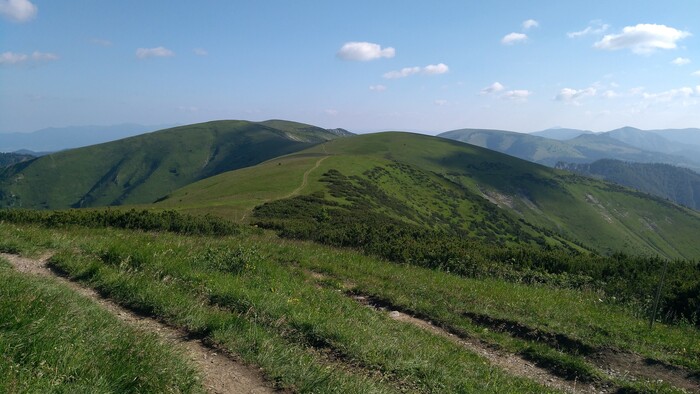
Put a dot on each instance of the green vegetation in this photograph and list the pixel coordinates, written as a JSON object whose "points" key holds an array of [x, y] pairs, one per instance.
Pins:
{"points": [[444, 185], [53, 340], [144, 168], [236, 293], [256, 296], [677, 184]]}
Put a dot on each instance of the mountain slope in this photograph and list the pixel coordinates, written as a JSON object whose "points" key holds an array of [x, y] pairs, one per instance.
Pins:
{"points": [[144, 168], [585, 148], [677, 184], [8, 159], [441, 184], [561, 134]]}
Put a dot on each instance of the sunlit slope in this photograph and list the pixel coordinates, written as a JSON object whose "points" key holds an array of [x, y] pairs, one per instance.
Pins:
{"points": [[144, 168], [440, 183]]}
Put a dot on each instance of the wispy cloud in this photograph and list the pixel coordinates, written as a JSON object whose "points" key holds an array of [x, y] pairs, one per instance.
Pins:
{"points": [[696, 74], [377, 88], [200, 52], [680, 61], [513, 38], [594, 28], [364, 51], [431, 69], [144, 53], [12, 58], [18, 10], [572, 96], [517, 95], [101, 42], [530, 23], [643, 39], [493, 88], [441, 103], [331, 112]]}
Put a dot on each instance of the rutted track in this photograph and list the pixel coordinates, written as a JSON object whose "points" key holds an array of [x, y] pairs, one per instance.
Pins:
{"points": [[220, 373]]}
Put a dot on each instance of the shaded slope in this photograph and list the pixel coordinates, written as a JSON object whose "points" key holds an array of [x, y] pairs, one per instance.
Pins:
{"points": [[441, 184], [144, 168], [677, 184]]}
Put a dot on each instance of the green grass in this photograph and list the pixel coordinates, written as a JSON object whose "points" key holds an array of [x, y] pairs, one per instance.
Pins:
{"points": [[144, 168], [445, 184], [305, 338], [52, 340], [254, 295]]}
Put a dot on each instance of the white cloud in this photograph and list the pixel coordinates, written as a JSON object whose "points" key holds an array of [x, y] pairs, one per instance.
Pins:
{"points": [[643, 39], [143, 53], [530, 23], [431, 69], [200, 52], [608, 94], [572, 96], [672, 94], [680, 61], [11, 58], [595, 28], [331, 112], [364, 51], [517, 95], [696, 74], [18, 10], [404, 72], [441, 102], [513, 38], [377, 88], [493, 88], [101, 42]]}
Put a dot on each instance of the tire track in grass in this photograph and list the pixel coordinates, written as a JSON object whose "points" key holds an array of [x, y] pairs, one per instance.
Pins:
{"points": [[512, 364], [220, 373]]}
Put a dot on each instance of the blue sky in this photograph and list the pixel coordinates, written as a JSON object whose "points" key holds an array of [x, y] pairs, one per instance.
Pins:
{"points": [[362, 65]]}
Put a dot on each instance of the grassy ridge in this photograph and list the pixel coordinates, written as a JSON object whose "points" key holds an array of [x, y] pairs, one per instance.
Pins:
{"points": [[442, 184], [144, 168], [53, 340]]}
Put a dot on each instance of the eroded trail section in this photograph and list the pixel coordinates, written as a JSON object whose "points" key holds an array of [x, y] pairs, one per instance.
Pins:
{"points": [[508, 362], [219, 372], [511, 363]]}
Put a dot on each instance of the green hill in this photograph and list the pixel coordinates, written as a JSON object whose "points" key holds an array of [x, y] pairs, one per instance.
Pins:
{"points": [[677, 184], [435, 183], [144, 168], [8, 159]]}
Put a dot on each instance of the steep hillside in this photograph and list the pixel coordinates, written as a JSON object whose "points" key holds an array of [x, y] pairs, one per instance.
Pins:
{"points": [[144, 168], [435, 183], [677, 184]]}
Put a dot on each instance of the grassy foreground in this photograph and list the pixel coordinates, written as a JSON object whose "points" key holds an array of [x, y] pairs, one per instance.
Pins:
{"points": [[52, 340], [255, 296]]}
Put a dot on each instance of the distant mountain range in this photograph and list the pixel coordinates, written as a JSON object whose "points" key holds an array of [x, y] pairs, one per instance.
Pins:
{"points": [[549, 147], [59, 138]]}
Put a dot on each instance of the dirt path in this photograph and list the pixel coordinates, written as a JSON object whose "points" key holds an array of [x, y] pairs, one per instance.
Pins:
{"points": [[510, 363], [305, 179], [219, 372]]}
